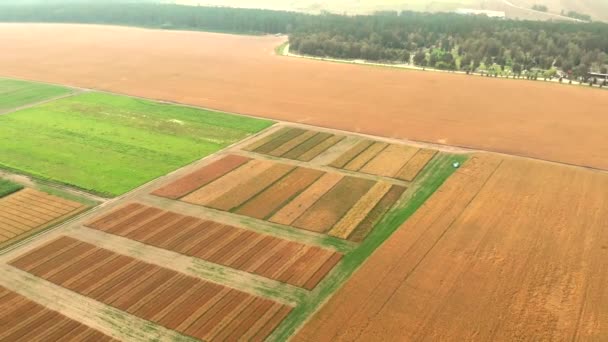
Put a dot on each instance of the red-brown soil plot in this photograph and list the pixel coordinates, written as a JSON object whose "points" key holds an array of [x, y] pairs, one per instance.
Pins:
{"points": [[24, 320], [300, 197], [205, 310], [536, 119], [290, 262], [507, 249], [29, 210]]}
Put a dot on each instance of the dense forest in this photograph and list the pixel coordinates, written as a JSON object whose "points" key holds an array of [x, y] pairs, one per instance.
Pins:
{"points": [[441, 40]]}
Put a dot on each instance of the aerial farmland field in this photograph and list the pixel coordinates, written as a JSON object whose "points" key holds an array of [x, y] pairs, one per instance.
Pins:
{"points": [[111, 144], [15, 93]]}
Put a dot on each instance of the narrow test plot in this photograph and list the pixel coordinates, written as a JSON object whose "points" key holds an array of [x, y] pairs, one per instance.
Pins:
{"points": [[396, 161], [285, 261], [24, 320], [345, 207], [189, 305], [295, 143], [29, 210]]}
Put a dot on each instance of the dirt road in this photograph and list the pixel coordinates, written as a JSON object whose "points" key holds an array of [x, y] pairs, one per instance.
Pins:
{"points": [[508, 249], [242, 74]]}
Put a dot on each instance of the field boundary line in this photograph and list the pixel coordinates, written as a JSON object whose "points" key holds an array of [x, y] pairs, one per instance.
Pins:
{"points": [[193, 266], [102, 317], [75, 91], [451, 148], [252, 224]]}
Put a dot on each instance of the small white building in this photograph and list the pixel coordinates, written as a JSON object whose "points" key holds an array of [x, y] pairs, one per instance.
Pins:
{"points": [[491, 14]]}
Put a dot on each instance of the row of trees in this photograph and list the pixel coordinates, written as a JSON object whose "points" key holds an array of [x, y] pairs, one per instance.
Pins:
{"points": [[442, 40], [454, 42]]}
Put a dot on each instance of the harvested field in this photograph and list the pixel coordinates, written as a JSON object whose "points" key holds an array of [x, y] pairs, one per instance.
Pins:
{"points": [[388, 162], [24, 320], [200, 177], [151, 292], [413, 167], [28, 211], [330, 208], [293, 263], [165, 64], [507, 249], [295, 144]]}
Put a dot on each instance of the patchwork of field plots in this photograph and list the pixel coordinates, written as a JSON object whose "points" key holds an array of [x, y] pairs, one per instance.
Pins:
{"points": [[24, 320], [182, 303], [15, 93], [290, 262], [346, 207], [29, 210], [295, 143], [398, 161], [111, 144]]}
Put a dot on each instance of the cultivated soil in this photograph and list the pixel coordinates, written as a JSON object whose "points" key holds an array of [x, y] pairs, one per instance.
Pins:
{"points": [[507, 249], [242, 74]]}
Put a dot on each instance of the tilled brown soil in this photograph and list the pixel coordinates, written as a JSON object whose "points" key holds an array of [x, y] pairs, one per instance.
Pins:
{"points": [[507, 249], [242, 74]]}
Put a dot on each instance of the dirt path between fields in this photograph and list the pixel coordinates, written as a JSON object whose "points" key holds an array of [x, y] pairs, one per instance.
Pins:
{"points": [[29, 105]]}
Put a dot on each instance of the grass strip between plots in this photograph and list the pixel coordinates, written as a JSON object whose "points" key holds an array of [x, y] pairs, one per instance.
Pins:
{"points": [[7, 187], [431, 178]]}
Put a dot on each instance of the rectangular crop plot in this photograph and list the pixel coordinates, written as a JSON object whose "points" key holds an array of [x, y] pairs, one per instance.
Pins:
{"points": [[395, 161], [314, 200], [290, 262], [16, 93], [24, 320], [295, 143], [186, 304], [112, 144], [29, 210]]}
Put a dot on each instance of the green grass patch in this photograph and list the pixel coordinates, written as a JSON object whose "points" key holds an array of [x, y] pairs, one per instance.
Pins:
{"points": [[110, 144], [66, 195], [15, 93], [432, 177], [7, 187]]}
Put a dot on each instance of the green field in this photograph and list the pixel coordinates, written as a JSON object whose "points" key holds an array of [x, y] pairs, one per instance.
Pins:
{"points": [[110, 144], [7, 187], [14, 94]]}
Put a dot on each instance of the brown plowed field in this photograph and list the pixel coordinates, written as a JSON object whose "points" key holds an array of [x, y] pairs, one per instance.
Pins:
{"points": [[221, 244], [296, 196], [200, 177], [144, 290], [29, 210], [535, 119], [507, 249], [24, 320]]}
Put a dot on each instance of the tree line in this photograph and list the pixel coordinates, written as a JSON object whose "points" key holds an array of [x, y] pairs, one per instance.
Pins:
{"points": [[441, 40]]}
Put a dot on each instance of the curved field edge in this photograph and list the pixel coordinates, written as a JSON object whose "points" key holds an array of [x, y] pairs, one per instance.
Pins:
{"points": [[432, 177], [111, 144]]}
